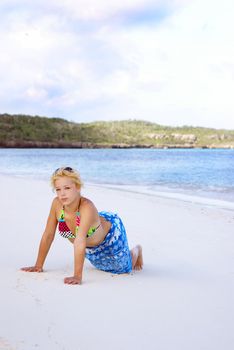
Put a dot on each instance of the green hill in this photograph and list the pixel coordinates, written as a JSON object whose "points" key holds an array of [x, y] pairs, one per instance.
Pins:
{"points": [[35, 131]]}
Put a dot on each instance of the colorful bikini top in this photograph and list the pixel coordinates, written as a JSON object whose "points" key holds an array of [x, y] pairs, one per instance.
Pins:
{"points": [[64, 230]]}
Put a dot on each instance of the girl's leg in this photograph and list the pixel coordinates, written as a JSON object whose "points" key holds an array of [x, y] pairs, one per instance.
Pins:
{"points": [[137, 257]]}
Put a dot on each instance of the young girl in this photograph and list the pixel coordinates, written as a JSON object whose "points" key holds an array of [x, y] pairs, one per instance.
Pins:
{"points": [[98, 236]]}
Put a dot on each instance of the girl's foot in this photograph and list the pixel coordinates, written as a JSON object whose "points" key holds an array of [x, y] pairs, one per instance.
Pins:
{"points": [[137, 258]]}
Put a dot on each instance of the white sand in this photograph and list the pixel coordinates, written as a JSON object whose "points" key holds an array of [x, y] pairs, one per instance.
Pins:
{"points": [[183, 299]]}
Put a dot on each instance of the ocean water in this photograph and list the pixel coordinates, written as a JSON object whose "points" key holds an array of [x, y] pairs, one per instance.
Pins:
{"points": [[180, 173]]}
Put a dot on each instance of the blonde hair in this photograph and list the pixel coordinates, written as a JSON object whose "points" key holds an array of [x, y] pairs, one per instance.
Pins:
{"points": [[68, 172]]}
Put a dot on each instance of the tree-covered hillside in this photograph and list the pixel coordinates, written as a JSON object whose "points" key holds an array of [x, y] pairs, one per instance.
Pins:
{"points": [[35, 131]]}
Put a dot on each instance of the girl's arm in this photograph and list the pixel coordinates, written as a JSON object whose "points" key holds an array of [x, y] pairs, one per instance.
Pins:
{"points": [[87, 218], [46, 241]]}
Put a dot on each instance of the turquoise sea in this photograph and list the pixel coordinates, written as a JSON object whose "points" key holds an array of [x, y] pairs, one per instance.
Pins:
{"points": [[187, 173]]}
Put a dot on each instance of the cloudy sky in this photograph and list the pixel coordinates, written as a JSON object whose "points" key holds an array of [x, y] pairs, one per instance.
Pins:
{"points": [[165, 61]]}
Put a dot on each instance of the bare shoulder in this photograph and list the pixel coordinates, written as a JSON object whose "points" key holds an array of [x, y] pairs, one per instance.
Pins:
{"points": [[88, 212], [87, 205], [55, 205]]}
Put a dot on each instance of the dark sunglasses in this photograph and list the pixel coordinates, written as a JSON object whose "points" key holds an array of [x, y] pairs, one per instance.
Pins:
{"points": [[67, 168]]}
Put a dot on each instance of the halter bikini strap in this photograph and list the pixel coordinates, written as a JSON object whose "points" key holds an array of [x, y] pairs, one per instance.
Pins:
{"points": [[62, 214], [78, 209]]}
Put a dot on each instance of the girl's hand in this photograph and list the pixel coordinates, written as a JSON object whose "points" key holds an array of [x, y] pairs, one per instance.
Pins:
{"points": [[32, 269], [73, 280]]}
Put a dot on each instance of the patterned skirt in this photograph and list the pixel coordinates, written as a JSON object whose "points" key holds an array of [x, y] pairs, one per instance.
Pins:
{"points": [[113, 254]]}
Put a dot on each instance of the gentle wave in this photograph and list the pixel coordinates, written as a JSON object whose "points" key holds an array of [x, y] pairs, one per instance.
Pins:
{"points": [[212, 202]]}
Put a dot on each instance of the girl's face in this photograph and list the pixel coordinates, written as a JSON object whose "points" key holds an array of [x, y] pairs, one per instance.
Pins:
{"points": [[66, 190]]}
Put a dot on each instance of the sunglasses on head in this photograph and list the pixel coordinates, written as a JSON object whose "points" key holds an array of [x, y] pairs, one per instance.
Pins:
{"points": [[67, 168]]}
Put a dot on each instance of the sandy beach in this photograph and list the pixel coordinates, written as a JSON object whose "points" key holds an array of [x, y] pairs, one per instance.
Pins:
{"points": [[183, 298]]}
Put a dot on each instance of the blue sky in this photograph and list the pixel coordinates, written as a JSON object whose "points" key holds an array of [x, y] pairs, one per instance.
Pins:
{"points": [[169, 62]]}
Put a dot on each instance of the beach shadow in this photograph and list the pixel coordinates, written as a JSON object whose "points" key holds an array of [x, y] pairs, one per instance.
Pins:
{"points": [[176, 272], [179, 271]]}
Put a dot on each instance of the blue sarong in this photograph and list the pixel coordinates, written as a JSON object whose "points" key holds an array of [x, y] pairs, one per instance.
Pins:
{"points": [[113, 254]]}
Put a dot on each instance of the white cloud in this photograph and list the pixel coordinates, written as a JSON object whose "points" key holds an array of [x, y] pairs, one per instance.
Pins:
{"points": [[35, 93], [169, 62], [182, 75], [102, 10]]}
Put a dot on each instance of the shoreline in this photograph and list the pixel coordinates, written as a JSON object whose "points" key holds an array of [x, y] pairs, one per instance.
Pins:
{"points": [[87, 145], [145, 190], [183, 197]]}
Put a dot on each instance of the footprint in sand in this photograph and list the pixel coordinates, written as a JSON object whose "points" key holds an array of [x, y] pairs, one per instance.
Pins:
{"points": [[52, 339], [20, 287]]}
